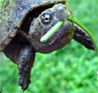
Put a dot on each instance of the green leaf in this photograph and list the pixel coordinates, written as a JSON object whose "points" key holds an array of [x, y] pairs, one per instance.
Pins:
{"points": [[51, 31], [85, 29]]}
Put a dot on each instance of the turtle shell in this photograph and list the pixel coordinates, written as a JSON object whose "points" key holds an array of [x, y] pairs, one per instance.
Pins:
{"points": [[16, 16]]}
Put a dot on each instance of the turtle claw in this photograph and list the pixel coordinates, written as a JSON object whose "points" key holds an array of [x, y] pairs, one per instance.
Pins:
{"points": [[24, 82], [25, 63]]}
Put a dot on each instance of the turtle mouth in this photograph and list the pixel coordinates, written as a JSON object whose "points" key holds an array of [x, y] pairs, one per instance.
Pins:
{"points": [[34, 13]]}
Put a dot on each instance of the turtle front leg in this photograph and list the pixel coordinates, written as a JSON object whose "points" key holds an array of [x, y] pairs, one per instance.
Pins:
{"points": [[21, 52], [83, 38], [23, 55], [25, 63]]}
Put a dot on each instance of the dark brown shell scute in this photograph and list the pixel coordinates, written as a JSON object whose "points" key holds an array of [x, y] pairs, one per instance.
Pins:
{"points": [[6, 23], [11, 14]]}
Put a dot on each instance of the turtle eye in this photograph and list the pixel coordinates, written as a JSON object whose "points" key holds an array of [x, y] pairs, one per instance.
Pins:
{"points": [[46, 18]]}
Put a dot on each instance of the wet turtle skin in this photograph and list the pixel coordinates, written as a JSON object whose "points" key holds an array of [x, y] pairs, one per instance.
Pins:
{"points": [[26, 22]]}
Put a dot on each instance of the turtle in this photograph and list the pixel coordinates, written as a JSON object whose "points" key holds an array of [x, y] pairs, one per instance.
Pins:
{"points": [[24, 22]]}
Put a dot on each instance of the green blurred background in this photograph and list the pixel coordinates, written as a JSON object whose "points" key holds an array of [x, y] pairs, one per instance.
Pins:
{"points": [[71, 69]]}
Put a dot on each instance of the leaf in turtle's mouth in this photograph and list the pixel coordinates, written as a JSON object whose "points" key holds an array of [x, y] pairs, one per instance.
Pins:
{"points": [[51, 31], [31, 15]]}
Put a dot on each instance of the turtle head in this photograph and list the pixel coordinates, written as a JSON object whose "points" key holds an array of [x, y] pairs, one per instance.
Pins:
{"points": [[44, 22]]}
